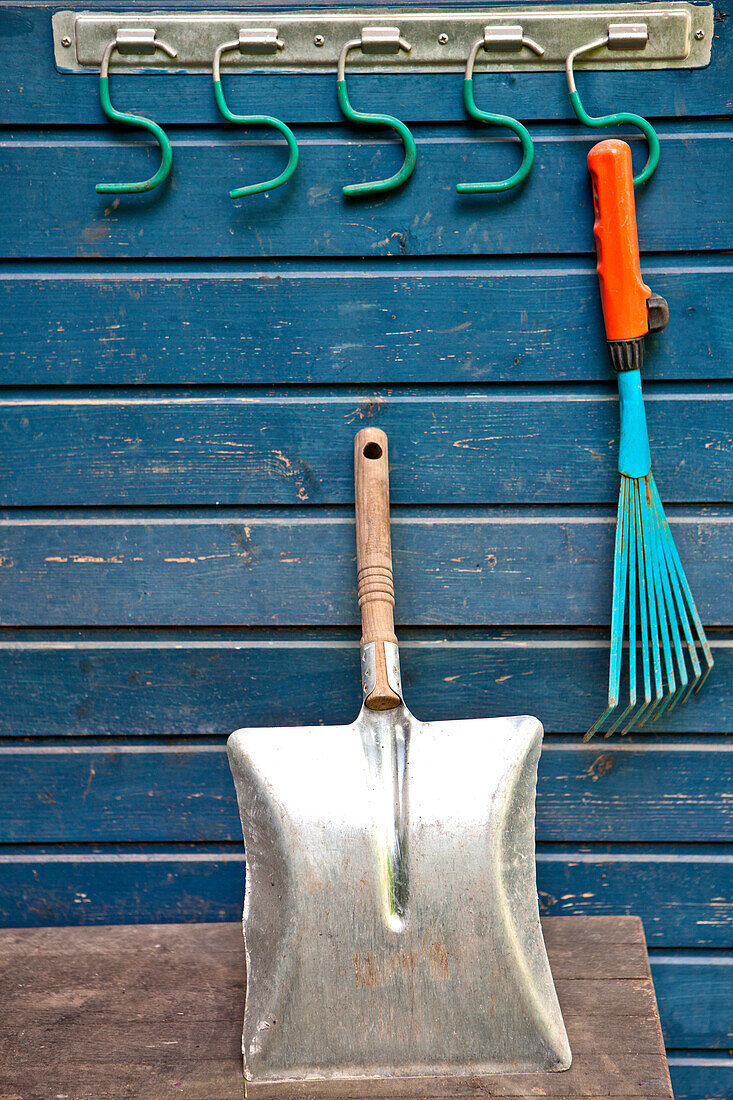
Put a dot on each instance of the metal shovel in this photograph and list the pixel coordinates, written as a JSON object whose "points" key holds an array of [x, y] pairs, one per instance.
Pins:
{"points": [[391, 922]]}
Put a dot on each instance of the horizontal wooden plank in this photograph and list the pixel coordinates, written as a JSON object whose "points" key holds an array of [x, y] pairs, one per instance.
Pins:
{"points": [[180, 684], [222, 949], [494, 446], [695, 997], [620, 1031], [620, 1077], [132, 981], [593, 932], [310, 98], [681, 895], [587, 949], [32, 89], [701, 1077], [551, 213], [481, 569], [155, 793], [571, 957], [204, 1076], [675, 893], [388, 324]]}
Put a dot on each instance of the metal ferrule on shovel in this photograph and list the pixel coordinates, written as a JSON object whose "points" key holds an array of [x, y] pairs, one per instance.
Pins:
{"points": [[391, 922]]}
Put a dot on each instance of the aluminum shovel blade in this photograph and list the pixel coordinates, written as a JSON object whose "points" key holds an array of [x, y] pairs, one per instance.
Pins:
{"points": [[391, 921]]}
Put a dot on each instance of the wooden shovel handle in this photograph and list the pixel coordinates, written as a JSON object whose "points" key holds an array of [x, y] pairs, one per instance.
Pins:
{"points": [[375, 586]]}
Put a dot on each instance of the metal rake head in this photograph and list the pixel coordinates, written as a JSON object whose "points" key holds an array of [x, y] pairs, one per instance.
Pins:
{"points": [[649, 585]]}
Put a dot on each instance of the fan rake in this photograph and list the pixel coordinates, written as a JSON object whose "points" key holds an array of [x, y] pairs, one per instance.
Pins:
{"points": [[650, 590], [649, 585]]}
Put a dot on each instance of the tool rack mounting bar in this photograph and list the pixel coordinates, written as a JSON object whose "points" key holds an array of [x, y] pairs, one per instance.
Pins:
{"points": [[679, 36]]}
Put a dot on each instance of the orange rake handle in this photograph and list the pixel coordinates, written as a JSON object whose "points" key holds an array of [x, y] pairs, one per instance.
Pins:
{"points": [[624, 294], [630, 310]]}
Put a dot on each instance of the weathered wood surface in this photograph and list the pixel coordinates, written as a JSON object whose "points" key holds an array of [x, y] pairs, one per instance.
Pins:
{"points": [[533, 445], [663, 791], [177, 683], [309, 217], [682, 893], [402, 322], [146, 1011], [222, 568]]}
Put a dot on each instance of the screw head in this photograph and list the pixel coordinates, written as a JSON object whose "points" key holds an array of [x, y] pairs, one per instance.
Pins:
{"points": [[66, 41], [699, 35], [443, 39], [319, 40]]}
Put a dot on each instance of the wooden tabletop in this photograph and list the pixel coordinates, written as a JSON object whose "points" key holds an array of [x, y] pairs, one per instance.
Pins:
{"points": [[155, 1011]]}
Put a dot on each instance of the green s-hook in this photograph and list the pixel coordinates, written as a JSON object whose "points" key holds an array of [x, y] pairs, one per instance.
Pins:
{"points": [[144, 42], [376, 40], [258, 41], [619, 36], [499, 37]]}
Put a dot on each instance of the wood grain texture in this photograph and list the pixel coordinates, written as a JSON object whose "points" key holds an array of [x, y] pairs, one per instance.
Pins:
{"points": [[134, 883], [395, 323], [495, 446], [310, 216], [181, 683], [170, 999], [482, 568], [662, 792], [374, 579]]}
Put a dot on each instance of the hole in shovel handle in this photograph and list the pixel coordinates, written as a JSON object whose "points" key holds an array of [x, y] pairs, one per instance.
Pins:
{"points": [[372, 450]]}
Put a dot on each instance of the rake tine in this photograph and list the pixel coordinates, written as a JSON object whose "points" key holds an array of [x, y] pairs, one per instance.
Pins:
{"points": [[649, 565], [630, 533], [686, 682], [662, 616], [705, 645], [668, 544], [640, 554], [687, 630], [662, 531], [657, 614], [708, 659], [620, 558], [681, 586]]}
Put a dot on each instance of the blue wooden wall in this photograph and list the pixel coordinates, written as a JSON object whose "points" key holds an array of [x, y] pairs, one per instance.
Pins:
{"points": [[182, 380]]}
